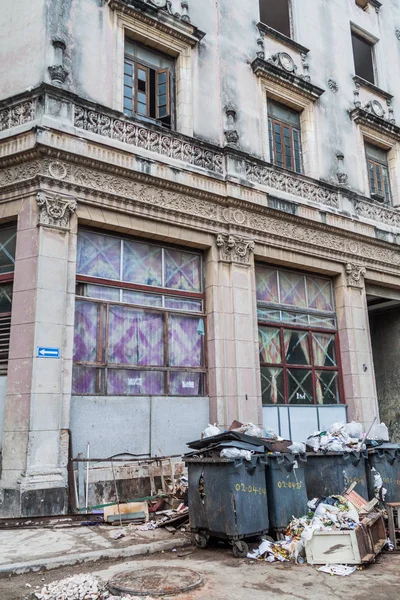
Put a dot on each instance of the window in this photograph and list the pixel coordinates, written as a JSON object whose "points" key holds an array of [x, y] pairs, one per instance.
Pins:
{"points": [[148, 84], [378, 173], [363, 57], [297, 338], [276, 14], [139, 319], [8, 238], [284, 137]]}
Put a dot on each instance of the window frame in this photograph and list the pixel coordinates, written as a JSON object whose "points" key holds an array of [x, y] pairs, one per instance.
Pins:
{"points": [[102, 363], [6, 278], [281, 123], [310, 330], [137, 63], [374, 162], [371, 43], [290, 23]]}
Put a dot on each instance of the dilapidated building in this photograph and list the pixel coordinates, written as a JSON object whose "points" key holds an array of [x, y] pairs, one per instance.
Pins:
{"points": [[199, 223]]}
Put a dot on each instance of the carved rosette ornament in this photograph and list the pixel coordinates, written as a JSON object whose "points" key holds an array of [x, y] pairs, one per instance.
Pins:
{"points": [[235, 249], [355, 275], [55, 211]]}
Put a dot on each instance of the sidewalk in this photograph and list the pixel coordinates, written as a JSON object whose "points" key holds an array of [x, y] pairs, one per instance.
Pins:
{"points": [[23, 550]]}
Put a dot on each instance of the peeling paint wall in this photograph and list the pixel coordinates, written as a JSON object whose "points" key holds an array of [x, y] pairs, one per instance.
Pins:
{"points": [[22, 45]]}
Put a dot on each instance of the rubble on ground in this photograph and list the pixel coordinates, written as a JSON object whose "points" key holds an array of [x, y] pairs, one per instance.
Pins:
{"points": [[81, 587]]}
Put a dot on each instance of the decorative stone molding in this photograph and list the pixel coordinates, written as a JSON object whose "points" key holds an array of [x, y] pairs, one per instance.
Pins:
{"points": [[58, 73], [55, 211], [333, 86], [235, 249], [231, 134], [377, 213], [292, 184], [341, 175], [281, 68], [397, 33], [355, 275], [260, 48], [18, 114], [161, 142], [368, 117]]}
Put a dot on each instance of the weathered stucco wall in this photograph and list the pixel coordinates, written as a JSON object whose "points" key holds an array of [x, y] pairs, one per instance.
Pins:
{"points": [[22, 45], [385, 337]]}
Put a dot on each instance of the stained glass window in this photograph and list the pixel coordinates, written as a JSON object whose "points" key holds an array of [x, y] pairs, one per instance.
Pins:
{"points": [[297, 338], [135, 334]]}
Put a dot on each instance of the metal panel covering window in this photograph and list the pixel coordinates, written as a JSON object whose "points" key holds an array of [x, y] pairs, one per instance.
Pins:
{"points": [[148, 84], [284, 137], [378, 172], [139, 319], [298, 342], [8, 238]]}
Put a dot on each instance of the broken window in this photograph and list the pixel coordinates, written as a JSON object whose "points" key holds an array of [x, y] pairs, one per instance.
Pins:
{"points": [[276, 14], [363, 57], [297, 338], [148, 84], [284, 137], [378, 172], [139, 319], [8, 238]]}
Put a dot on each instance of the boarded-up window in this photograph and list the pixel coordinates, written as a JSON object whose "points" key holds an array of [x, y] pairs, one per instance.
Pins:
{"points": [[139, 319], [276, 14]]}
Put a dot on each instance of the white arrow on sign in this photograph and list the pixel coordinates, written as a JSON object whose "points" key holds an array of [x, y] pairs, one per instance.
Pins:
{"points": [[44, 352]]}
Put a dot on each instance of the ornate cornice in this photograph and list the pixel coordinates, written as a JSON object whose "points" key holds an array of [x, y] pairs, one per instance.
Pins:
{"points": [[17, 114], [355, 275], [235, 249], [55, 210], [173, 24], [266, 174], [280, 37], [269, 69], [137, 135], [365, 116]]}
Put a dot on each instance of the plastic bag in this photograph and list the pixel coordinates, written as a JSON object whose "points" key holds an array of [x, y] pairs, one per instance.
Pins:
{"points": [[379, 432], [297, 448], [236, 453], [250, 429], [354, 430], [210, 431]]}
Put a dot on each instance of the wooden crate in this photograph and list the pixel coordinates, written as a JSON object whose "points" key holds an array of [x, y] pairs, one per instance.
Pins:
{"points": [[352, 547]]}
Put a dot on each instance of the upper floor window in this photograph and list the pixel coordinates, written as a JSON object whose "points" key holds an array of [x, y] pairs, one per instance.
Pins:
{"points": [[276, 15], [148, 84], [363, 57], [378, 172], [284, 137]]}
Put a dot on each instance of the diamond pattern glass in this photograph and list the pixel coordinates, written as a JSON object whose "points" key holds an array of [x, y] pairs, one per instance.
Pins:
{"points": [[142, 264], [267, 285], [327, 387], [297, 350], [98, 255], [269, 345], [182, 270], [185, 341], [292, 289], [300, 386], [272, 385], [8, 239], [87, 328], [320, 294], [324, 350]]}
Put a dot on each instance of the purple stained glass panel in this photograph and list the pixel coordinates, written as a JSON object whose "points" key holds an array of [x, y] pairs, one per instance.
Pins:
{"points": [[86, 330], [102, 292], [182, 270], [141, 298], [135, 383], [185, 341], [84, 380], [320, 293], [267, 285], [135, 337], [185, 384], [183, 304], [142, 264], [98, 255]]}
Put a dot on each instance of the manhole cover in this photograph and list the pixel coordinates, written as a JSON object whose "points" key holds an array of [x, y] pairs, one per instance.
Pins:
{"points": [[155, 582]]}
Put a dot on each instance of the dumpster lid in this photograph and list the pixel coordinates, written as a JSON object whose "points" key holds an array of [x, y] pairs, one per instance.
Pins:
{"points": [[226, 437]]}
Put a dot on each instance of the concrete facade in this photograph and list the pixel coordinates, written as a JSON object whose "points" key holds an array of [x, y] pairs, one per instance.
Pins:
{"points": [[70, 159]]}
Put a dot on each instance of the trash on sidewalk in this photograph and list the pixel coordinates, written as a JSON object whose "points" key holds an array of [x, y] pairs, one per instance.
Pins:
{"points": [[342, 570]]}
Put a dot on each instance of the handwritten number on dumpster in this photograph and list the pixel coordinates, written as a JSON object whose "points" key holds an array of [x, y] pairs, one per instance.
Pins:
{"points": [[250, 489], [291, 485]]}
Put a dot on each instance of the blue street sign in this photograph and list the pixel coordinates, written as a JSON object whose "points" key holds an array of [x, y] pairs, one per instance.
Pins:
{"points": [[48, 352]]}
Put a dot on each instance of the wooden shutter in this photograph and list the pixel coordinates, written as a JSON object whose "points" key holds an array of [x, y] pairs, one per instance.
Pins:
{"points": [[163, 96]]}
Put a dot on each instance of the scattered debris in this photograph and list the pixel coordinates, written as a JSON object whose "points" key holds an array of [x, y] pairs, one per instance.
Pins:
{"points": [[77, 587], [342, 570], [338, 438]]}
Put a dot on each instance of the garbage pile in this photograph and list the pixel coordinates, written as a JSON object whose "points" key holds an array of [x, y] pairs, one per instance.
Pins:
{"points": [[330, 514], [340, 437]]}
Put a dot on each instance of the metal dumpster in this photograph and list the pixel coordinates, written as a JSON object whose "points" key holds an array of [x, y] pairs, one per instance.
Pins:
{"points": [[386, 460], [228, 500], [286, 490], [331, 473]]}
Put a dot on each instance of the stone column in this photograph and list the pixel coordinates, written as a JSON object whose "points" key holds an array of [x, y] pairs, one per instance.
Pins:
{"points": [[34, 476], [355, 345], [235, 389]]}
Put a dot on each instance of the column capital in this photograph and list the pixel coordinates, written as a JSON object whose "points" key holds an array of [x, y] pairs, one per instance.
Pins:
{"points": [[355, 275], [55, 210], [235, 249]]}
